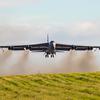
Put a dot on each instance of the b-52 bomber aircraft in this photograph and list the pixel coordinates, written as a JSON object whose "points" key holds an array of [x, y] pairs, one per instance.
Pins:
{"points": [[50, 47]]}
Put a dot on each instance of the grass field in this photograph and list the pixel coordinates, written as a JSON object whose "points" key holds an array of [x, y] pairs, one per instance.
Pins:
{"points": [[76, 86]]}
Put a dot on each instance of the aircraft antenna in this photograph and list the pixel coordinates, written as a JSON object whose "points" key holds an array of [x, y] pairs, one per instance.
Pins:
{"points": [[47, 38]]}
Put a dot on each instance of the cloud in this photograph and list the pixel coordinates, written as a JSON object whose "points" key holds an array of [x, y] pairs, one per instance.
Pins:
{"points": [[27, 31], [13, 3], [79, 28], [84, 28]]}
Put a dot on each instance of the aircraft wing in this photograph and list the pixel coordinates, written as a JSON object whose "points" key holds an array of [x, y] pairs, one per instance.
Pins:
{"points": [[38, 47], [64, 47], [33, 47]]}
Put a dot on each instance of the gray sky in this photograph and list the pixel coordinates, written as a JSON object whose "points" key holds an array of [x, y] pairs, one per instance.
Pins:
{"points": [[30, 20]]}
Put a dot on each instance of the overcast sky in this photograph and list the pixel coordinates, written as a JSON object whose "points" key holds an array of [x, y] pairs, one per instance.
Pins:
{"points": [[66, 21]]}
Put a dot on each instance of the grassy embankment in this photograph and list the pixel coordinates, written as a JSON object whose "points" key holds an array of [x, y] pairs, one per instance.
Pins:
{"points": [[76, 86]]}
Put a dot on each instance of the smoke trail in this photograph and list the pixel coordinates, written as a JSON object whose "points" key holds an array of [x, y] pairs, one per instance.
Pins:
{"points": [[78, 62], [4, 57], [68, 62], [87, 62], [19, 67], [25, 64]]}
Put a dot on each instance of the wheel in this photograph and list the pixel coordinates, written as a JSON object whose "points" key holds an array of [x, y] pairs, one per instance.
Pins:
{"points": [[46, 56], [52, 56]]}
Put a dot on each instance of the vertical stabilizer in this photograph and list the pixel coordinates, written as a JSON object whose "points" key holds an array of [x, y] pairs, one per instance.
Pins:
{"points": [[47, 38]]}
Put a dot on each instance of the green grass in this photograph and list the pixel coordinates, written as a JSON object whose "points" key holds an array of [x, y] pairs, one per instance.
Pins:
{"points": [[76, 86]]}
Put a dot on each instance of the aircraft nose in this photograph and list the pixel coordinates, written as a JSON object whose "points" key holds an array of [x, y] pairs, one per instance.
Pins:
{"points": [[54, 44]]}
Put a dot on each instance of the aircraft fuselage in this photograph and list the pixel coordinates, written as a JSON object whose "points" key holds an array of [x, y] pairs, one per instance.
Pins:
{"points": [[51, 50]]}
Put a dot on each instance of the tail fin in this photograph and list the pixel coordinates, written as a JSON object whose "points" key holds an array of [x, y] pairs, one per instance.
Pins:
{"points": [[47, 38]]}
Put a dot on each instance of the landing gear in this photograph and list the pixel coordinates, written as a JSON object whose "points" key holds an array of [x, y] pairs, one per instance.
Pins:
{"points": [[52, 55], [49, 54], [46, 56]]}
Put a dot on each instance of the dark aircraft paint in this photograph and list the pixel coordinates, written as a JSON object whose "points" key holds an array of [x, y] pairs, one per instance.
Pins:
{"points": [[50, 47]]}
